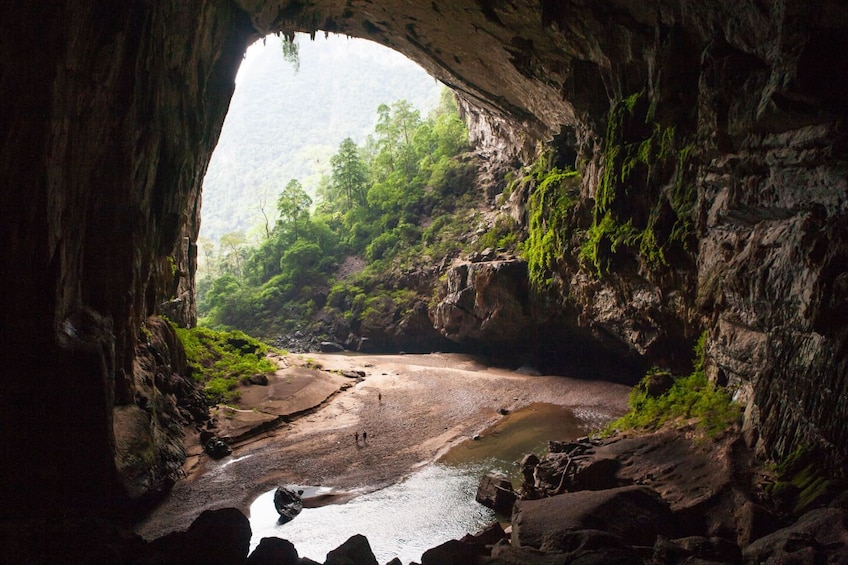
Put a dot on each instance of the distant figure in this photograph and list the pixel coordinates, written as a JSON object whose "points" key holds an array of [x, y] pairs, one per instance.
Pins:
{"points": [[357, 437], [380, 397], [364, 437]]}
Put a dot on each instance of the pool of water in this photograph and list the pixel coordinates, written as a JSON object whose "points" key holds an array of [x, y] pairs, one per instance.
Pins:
{"points": [[431, 506]]}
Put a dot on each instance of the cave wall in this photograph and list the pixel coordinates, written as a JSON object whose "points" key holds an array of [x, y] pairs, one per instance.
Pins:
{"points": [[111, 114], [108, 123]]}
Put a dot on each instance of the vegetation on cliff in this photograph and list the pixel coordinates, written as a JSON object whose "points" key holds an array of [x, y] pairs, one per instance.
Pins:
{"points": [[550, 226], [799, 481], [396, 204], [660, 398], [220, 360], [640, 156]]}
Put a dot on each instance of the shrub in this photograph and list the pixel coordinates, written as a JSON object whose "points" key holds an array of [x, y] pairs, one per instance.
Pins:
{"points": [[690, 397]]}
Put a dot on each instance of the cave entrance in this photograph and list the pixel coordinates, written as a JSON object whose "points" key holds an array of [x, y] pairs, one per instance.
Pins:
{"points": [[287, 132]]}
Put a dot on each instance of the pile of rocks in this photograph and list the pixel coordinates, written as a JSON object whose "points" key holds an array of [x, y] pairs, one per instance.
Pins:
{"points": [[655, 498]]}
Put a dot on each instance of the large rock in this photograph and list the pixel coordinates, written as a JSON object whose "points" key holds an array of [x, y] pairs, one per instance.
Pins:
{"points": [[355, 551], [585, 547], [486, 302], [495, 491], [288, 504], [819, 536], [454, 552], [216, 536], [698, 479], [635, 514], [273, 551]]}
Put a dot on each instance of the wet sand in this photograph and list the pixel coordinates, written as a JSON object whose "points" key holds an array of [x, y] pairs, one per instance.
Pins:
{"points": [[429, 403]]}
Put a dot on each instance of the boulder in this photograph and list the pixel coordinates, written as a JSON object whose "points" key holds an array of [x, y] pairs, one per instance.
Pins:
{"points": [[331, 347], [454, 552], [636, 514], [486, 302], [819, 536], [273, 551], [216, 448], [260, 379], [584, 547], [495, 491], [217, 536], [355, 551], [491, 535], [657, 383], [288, 504], [754, 521], [696, 547]]}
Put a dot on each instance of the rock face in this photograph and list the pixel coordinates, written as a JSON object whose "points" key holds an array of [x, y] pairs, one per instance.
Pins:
{"points": [[634, 514], [486, 303], [113, 113]]}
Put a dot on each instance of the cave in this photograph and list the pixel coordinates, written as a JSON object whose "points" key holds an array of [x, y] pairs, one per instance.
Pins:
{"points": [[111, 113]]}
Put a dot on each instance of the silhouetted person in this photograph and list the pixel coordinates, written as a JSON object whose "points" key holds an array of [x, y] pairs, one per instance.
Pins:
{"points": [[380, 397], [357, 437], [364, 437]]}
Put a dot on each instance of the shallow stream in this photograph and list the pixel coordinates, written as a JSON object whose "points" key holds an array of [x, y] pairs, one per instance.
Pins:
{"points": [[433, 505]]}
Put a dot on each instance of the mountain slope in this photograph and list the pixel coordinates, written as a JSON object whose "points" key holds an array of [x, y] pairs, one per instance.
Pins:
{"points": [[284, 123]]}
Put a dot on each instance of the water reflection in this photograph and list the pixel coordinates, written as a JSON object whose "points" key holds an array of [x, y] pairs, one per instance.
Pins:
{"points": [[433, 505]]}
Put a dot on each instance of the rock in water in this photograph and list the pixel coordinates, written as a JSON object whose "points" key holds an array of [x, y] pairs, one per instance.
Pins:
{"points": [[288, 503], [495, 491]]}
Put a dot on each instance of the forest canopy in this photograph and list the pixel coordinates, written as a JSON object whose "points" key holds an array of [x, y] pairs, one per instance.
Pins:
{"points": [[387, 204]]}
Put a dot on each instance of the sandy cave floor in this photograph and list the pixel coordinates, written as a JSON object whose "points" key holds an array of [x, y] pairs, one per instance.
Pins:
{"points": [[429, 403]]}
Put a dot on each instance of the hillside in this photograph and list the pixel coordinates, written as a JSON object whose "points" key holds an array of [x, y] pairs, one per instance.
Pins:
{"points": [[285, 123]]}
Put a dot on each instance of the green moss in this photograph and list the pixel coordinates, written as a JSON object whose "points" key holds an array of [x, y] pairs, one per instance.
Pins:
{"points": [[690, 397], [800, 483], [550, 206], [220, 359], [634, 144]]}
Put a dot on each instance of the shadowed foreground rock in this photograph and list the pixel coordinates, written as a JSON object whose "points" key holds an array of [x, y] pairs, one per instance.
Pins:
{"points": [[636, 515]]}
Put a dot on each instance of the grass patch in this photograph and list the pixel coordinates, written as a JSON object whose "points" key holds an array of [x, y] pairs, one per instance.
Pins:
{"points": [[687, 398], [219, 359]]}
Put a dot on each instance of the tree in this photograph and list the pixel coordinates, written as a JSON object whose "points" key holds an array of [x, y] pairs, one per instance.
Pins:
{"points": [[349, 176], [293, 204], [395, 129], [232, 253]]}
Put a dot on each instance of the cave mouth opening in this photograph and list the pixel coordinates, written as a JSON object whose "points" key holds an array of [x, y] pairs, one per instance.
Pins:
{"points": [[294, 101], [285, 123]]}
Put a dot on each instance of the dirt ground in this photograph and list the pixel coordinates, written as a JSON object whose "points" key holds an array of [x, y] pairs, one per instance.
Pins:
{"points": [[412, 407]]}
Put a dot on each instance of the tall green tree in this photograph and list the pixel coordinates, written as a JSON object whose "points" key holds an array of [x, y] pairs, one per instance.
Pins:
{"points": [[293, 206], [395, 129], [350, 175]]}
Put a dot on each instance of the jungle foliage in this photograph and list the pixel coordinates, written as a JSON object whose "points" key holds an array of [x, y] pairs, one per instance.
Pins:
{"points": [[396, 202], [688, 398]]}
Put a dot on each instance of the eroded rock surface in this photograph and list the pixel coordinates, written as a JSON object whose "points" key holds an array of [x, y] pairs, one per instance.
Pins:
{"points": [[115, 109]]}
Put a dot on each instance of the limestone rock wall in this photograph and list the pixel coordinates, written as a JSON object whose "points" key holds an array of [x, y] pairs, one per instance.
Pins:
{"points": [[111, 111], [109, 115]]}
